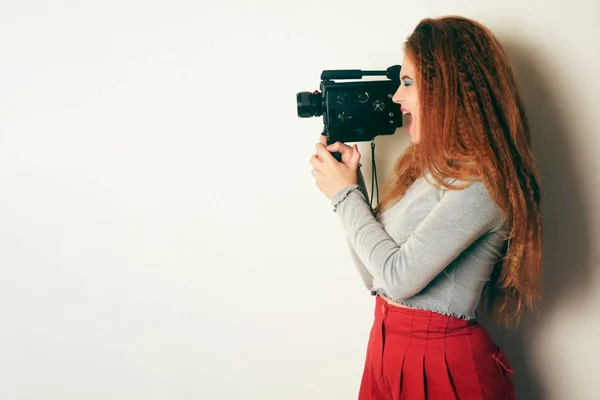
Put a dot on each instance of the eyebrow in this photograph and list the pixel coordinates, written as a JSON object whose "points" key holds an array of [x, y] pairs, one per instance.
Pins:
{"points": [[404, 77]]}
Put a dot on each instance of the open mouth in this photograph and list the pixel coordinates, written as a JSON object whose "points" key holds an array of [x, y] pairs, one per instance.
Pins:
{"points": [[407, 114]]}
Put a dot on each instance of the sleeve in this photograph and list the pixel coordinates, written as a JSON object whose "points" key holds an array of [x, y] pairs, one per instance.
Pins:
{"points": [[364, 273], [365, 276], [458, 220]]}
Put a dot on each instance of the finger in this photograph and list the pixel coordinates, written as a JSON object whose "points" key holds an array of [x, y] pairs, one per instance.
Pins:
{"points": [[334, 147], [324, 154], [355, 157], [315, 161], [323, 140], [340, 147], [317, 174]]}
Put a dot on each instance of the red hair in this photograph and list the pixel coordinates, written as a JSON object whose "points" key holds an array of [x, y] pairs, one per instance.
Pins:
{"points": [[474, 127]]}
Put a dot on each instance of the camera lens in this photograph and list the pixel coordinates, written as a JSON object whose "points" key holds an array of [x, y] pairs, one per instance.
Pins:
{"points": [[309, 104]]}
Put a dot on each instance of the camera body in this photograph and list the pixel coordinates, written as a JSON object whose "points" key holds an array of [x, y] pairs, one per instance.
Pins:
{"points": [[354, 111]]}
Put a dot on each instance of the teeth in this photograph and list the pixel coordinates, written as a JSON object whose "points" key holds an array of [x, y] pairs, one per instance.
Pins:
{"points": [[405, 112]]}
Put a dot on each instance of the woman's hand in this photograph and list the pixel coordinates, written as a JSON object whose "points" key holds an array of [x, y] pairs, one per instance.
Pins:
{"points": [[342, 148], [330, 175]]}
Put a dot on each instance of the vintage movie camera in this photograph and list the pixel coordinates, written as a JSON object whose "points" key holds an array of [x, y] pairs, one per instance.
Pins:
{"points": [[354, 111]]}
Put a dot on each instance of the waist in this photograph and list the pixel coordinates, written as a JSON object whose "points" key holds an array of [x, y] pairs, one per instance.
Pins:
{"points": [[460, 305], [401, 319], [393, 303]]}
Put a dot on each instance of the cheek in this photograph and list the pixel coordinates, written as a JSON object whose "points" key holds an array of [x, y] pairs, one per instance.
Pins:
{"points": [[412, 104], [415, 105], [411, 99]]}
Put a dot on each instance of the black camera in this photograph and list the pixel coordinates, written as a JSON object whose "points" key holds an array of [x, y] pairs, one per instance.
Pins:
{"points": [[354, 111]]}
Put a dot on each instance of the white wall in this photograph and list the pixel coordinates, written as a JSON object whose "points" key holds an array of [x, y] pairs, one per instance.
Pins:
{"points": [[162, 236]]}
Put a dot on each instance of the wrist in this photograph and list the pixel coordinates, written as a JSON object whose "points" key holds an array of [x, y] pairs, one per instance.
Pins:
{"points": [[341, 195]]}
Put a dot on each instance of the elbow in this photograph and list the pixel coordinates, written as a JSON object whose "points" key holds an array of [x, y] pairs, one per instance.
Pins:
{"points": [[399, 292], [399, 284]]}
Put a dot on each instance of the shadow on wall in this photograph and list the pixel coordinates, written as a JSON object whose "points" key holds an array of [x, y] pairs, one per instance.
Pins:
{"points": [[567, 265]]}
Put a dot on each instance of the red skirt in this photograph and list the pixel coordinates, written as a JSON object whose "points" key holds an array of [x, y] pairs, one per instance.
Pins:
{"points": [[416, 355]]}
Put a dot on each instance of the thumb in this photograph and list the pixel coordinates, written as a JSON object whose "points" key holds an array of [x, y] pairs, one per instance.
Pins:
{"points": [[334, 147]]}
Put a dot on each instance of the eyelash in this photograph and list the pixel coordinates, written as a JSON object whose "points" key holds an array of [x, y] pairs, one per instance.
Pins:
{"points": [[408, 82]]}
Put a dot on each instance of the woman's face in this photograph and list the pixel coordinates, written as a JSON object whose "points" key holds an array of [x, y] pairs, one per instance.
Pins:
{"points": [[406, 95]]}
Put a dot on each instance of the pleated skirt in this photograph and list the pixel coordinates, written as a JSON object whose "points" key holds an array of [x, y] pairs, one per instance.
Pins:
{"points": [[417, 354]]}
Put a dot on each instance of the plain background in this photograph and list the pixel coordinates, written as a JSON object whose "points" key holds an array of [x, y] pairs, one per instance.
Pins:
{"points": [[161, 235]]}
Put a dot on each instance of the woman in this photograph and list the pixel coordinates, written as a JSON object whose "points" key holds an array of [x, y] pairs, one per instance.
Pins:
{"points": [[459, 220]]}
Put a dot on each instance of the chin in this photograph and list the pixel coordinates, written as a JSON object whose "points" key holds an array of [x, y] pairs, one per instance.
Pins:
{"points": [[414, 136]]}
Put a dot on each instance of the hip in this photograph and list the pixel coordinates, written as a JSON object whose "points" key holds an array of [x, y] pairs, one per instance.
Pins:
{"points": [[413, 351]]}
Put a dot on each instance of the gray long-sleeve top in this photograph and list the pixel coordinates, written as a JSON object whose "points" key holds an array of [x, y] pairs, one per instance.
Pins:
{"points": [[435, 249]]}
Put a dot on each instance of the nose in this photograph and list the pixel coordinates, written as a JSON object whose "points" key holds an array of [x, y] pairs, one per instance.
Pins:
{"points": [[398, 97]]}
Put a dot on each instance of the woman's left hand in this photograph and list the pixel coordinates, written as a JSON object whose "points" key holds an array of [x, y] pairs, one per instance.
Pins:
{"points": [[330, 175]]}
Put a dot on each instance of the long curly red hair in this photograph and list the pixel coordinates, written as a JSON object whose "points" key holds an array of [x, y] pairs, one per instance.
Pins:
{"points": [[474, 127]]}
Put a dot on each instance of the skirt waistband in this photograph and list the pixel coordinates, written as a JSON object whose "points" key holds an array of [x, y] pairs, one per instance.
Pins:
{"points": [[416, 322]]}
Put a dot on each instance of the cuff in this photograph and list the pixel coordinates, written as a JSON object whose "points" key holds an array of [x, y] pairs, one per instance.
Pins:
{"points": [[342, 194]]}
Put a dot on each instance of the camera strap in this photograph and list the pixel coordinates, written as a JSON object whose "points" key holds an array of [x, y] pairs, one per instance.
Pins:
{"points": [[374, 181]]}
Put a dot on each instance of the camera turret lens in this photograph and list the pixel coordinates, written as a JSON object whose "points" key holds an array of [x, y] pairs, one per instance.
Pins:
{"points": [[309, 104]]}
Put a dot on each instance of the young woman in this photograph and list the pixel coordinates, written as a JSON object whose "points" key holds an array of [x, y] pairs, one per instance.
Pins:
{"points": [[459, 221]]}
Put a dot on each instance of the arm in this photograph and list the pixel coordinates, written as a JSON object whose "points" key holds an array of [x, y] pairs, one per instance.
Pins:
{"points": [[366, 277], [361, 183], [460, 218]]}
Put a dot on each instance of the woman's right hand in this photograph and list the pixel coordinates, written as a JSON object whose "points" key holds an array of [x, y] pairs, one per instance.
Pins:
{"points": [[340, 147]]}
